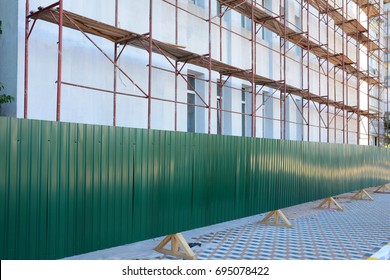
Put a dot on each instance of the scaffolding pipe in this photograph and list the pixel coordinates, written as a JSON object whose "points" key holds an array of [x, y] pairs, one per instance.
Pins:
{"points": [[284, 69], [253, 70], [283, 88], [343, 74], [380, 87], [319, 84], [26, 51], [368, 86], [358, 80], [59, 69], [150, 50], [210, 73], [176, 63], [115, 69], [327, 80], [219, 11], [308, 71]]}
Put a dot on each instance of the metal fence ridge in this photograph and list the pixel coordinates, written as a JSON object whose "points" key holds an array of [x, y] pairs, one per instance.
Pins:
{"points": [[68, 188]]}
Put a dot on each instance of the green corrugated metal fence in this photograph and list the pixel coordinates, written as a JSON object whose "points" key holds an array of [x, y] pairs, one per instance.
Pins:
{"points": [[66, 189]]}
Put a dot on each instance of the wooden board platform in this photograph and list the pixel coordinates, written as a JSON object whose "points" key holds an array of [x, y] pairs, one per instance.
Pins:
{"points": [[178, 53]]}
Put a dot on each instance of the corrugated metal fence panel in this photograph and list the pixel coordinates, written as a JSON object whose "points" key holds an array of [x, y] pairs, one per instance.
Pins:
{"points": [[67, 189]]}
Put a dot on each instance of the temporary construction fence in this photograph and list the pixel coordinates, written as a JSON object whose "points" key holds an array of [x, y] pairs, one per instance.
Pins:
{"points": [[69, 188]]}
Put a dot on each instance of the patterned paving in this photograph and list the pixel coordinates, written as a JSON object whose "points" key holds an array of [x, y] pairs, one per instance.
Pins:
{"points": [[355, 233]]}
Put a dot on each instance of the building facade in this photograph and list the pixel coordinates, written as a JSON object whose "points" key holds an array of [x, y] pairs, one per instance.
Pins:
{"points": [[286, 69]]}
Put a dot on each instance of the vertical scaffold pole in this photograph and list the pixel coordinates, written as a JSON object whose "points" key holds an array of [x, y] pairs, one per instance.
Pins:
{"points": [[253, 72], [59, 67], [115, 69], [210, 73], [26, 39], [150, 63], [176, 63]]}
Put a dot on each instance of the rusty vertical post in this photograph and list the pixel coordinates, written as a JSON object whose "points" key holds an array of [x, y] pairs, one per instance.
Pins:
{"points": [[150, 63], [220, 85], [387, 69], [280, 75], [302, 69], [368, 85], [327, 80], [358, 79], [281, 43], [343, 68], [115, 69], [284, 68], [308, 72], [26, 39], [319, 82], [346, 99], [220, 31], [253, 66], [59, 66], [176, 92], [220, 77], [380, 87], [334, 86], [209, 68], [176, 63]]}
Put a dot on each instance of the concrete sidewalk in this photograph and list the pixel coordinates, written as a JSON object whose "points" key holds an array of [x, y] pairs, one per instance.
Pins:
{"points": [[356, 233]]}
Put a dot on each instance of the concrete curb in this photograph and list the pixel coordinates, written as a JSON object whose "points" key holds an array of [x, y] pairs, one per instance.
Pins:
{"points": [[382, 254]]}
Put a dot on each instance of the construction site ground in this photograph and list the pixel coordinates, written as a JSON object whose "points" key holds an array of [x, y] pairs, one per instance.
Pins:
{"points": [[356, 233]]}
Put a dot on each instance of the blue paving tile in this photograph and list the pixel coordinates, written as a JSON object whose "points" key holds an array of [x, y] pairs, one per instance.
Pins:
{"points": [[354, 233]]}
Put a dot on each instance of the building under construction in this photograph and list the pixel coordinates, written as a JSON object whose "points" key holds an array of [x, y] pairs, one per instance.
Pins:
{"points": [[106, 91], [299, 70]]}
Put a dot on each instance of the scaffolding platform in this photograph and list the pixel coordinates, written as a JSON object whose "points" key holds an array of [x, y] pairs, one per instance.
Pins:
{"points": [[351, 27], [301, 39], [178, 53]]}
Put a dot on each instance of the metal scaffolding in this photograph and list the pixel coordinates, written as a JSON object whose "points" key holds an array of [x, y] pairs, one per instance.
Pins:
{"points": [[328, 105]]}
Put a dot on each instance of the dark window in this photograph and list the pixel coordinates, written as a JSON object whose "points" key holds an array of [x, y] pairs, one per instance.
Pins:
{"points": [[191, 82], [191, 87], [246, 22]]}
